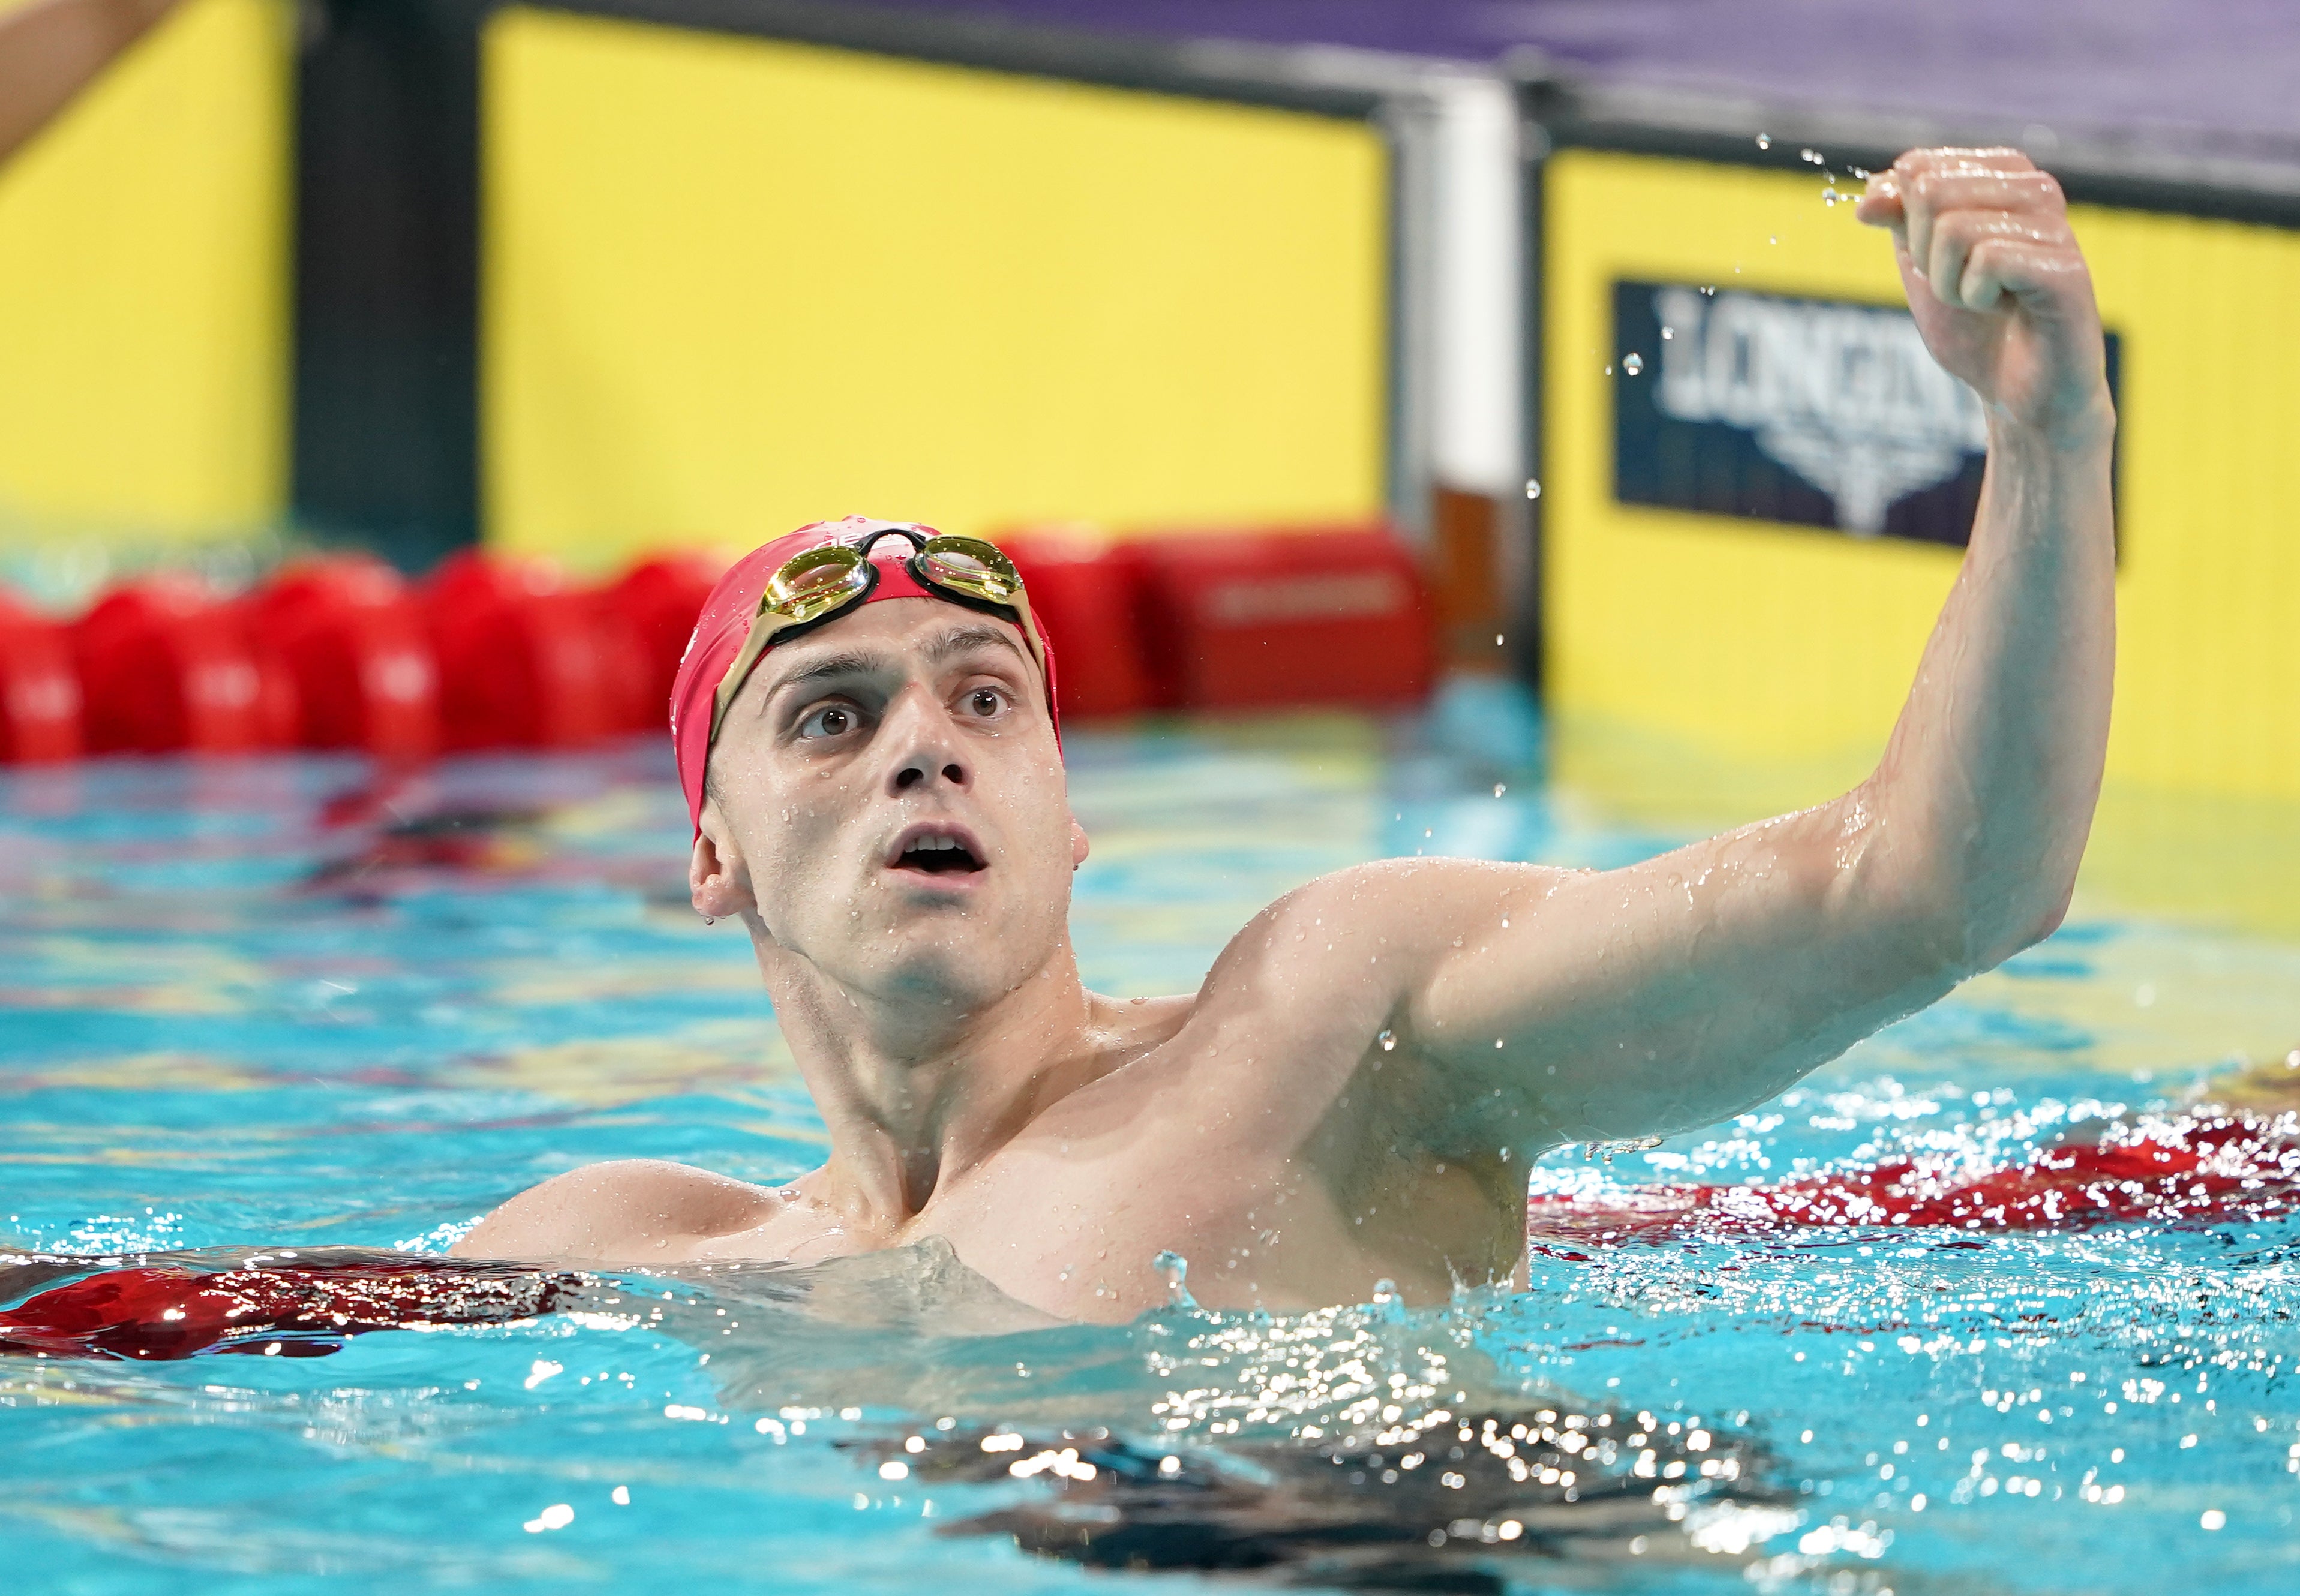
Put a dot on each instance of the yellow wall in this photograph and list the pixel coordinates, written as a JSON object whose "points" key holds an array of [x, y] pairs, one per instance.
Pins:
{"points": [[143, 290], [1748, 640], [731, 285]]}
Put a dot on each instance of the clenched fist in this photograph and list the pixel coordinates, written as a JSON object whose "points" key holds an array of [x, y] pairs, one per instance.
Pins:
{"points": [[1998, 286]]}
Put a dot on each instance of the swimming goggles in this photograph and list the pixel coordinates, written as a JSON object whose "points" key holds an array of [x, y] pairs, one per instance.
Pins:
{"points": [[817, 586]]}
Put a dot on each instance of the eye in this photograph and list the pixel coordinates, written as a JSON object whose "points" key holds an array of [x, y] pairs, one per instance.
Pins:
{"points": [[986, 702], [832, 720]]}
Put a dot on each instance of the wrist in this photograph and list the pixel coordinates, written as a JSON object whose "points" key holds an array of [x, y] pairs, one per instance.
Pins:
{"points": [[2082, 430]]}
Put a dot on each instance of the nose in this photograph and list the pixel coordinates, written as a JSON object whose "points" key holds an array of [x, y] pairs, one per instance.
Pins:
{"points": [[928, 752]]}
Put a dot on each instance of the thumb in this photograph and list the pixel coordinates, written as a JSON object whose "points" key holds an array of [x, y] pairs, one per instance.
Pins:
{"points": [[1880, 205]]}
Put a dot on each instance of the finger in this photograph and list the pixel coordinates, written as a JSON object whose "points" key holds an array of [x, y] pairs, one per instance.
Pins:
{"points": [[1929, 180], [2049, 279], [1879, 205], [1958, 157], [1958, 233], [2037, 193]]}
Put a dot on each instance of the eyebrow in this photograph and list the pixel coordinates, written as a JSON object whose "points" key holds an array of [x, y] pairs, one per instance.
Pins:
{"points": [[959, 639], [854, 662]]}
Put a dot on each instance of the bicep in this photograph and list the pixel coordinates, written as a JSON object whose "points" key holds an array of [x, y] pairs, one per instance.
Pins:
{"points": [[1589, 1005]]}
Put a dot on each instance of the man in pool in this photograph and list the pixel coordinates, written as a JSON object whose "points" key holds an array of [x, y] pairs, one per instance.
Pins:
{"points": [[1355, 1091]]}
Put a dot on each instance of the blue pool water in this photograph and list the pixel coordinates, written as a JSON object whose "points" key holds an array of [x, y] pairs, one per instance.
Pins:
{"points": [[238, 1010]]}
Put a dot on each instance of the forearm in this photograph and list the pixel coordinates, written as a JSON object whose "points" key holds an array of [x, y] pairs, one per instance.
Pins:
{"points": [[49, 51], [1984, 796]]}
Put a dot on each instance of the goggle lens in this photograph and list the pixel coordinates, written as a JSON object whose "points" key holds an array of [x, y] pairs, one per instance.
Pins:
{"points": [[815, 582], [972, 567]]}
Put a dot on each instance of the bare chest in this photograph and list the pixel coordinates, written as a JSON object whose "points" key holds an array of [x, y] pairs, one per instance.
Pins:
{"points": [[1094, 1230]]}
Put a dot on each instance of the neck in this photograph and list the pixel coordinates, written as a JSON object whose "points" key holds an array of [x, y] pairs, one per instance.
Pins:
{"points": [[917, 1088]]}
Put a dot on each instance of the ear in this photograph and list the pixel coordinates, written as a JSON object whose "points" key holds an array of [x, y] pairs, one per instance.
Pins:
{"points": [[1080, 846], [718, 883]]}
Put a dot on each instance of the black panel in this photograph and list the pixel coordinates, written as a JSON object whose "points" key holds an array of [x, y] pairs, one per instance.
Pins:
{"points": [[1529, 642], [386, 446], [1814, 412]]}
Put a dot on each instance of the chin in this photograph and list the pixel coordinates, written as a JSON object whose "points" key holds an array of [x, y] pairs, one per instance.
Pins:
{"points": [[967, 961]]}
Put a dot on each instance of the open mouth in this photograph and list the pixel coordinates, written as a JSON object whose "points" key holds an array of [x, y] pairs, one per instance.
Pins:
{"points": [[938, 853]]}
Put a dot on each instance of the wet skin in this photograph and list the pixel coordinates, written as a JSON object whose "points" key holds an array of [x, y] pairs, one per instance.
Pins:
{"points": [[1355, 1090]]}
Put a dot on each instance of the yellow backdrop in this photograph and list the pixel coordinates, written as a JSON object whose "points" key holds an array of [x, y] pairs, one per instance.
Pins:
{"points": [[143, 290], [1747, 639], [732, 285]]}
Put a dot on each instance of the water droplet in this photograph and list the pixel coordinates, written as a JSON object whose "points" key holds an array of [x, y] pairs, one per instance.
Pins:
{"points": [[1389, 1040], [1813, 155], [1608, 370], [1174, 1269], [1532, 488], [1498, 639], [1500, 786], [1764, 141], [1385, 1291], [1633, 362], [1668, 334], [1774, 239]]}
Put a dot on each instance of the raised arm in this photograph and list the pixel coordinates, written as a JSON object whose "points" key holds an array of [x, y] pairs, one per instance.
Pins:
{"points": [[1543, 1006], [51, 49]]}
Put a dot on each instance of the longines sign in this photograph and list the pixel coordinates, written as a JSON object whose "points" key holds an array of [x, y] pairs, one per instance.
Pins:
{"points": [[1818, 412]]}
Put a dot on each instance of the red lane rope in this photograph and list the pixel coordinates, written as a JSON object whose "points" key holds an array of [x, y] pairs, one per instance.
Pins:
{"points": [[2201, 1171], [304, 1310], [2209, 1170]]}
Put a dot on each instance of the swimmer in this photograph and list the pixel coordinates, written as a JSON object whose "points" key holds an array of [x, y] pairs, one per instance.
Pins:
{"points": [[866, 729]]}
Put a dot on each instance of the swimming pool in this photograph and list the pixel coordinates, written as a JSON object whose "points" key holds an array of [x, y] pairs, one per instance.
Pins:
{"points": [[278, 1005]]}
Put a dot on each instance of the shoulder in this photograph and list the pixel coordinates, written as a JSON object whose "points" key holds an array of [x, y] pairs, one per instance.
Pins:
{"points": [[626, 1210]]}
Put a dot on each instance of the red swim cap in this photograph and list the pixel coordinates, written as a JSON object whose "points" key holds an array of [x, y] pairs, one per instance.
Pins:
{"points": [[732, 610]]}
